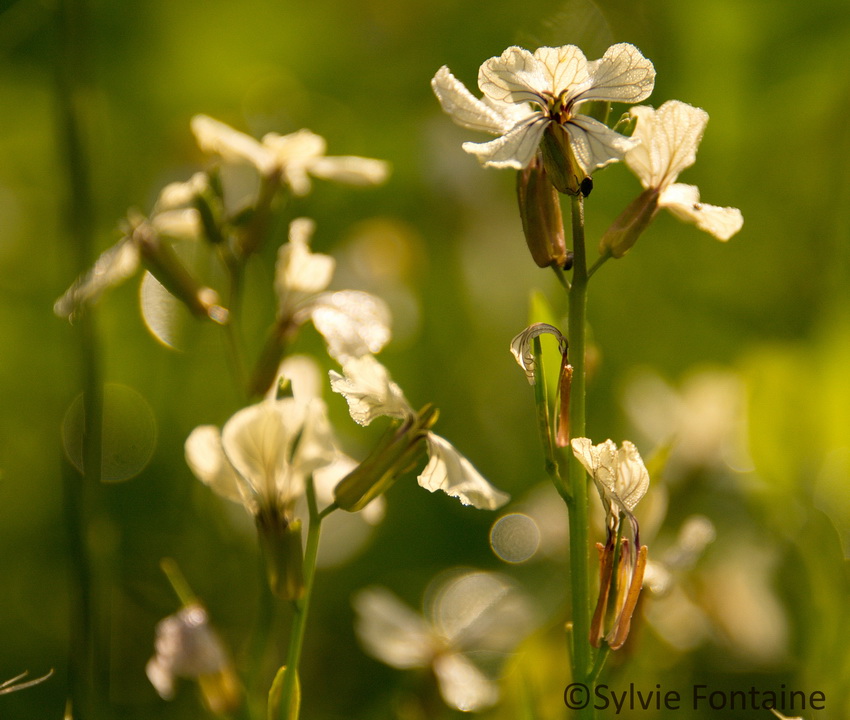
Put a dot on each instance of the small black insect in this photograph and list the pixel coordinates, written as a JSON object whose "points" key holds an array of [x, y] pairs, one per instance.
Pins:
{"points": [[586, 186]]}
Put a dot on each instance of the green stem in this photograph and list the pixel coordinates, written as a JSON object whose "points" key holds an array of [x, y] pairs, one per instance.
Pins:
{"points": [[578, 508], [544, 422], [302, 606]]}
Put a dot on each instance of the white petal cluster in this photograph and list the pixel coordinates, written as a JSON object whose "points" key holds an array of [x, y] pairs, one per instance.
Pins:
{"points": [[669, 138], [619, 473], [472, 615], [370, 392], [353, 323], [295, 158], [526, 92]]}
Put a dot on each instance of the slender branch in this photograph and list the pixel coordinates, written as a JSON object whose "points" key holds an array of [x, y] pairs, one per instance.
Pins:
{"points": [[544, 423]]}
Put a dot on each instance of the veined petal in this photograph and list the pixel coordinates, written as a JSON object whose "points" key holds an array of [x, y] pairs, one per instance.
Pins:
{"points": [[205, 457], [669, 139], [632, 475], [451, 472], [594, 144], [465, 109], [515, 76], [369, 391], [351, 169], [215, 137], [390, 631], [521, 346], [683, 201], [353, 323], [515, 149], [566, 69], [463, 685], [619, 474], [622, 74]]}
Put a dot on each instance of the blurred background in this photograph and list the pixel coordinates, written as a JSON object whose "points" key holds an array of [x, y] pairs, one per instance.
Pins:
{"points": [[731, 358]]}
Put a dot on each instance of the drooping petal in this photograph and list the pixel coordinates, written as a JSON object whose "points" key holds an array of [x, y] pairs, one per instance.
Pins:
{"points": [[451, 472], [369, 391], [515, 149], [390, 631], [205, 457], [669, 139], [632, 476], [622, 74], [231, 145], [468, 111], [566, 69], [522, 351], [463, 685], [683, 201], [594, 144], [353, 323], [515, 76]]}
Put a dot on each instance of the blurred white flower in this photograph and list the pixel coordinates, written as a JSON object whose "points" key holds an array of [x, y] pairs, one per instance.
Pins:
{"points": [[472, 618], [352, 323], [556, 81], [669, 137], [188, 647], [294, 158], [370, 392]]}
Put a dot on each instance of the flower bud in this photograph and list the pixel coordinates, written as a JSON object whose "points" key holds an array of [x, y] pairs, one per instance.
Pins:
{"points": [[395, 454], [629, 224], [564, 172], [280, 540], [540, 210]]}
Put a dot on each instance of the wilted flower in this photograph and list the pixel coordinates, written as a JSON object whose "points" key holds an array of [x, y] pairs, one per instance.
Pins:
{"points": [[669, 139], [555, 81], [370, 392], [622, 480], [474, 615], [188, 647], [292, 158]]}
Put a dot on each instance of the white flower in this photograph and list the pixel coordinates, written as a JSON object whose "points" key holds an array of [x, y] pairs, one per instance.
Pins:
{"points": [[619, 474], [556, 81], [294, 157], [370, 392], [353, 323], [188, 647], [669, 139], [476, 614], [264, 453]]}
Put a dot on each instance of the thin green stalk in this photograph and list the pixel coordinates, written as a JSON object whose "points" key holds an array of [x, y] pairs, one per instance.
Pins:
{"points": [[578, 509], [302, 606], [544, 422]]}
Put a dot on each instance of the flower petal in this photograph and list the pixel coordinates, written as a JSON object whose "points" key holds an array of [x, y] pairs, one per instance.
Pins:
{"points": [[351, 169], [521, 346], [669, 139], [515, 76], [205, 457], [623, 74], [451, 472], [215, 137], [369, 391], [390, 631], [594, 144], [463, 685], [353, 323], [566, 69], [515, 149], [299, 272], [683, 202], [465, 109], [620, 475]]}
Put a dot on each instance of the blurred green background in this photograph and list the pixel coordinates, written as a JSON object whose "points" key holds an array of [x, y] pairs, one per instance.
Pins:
{"points": [[769, 310]]}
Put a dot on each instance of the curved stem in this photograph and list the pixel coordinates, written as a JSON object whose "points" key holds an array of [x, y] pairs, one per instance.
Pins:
{"points": [[578, 510]]}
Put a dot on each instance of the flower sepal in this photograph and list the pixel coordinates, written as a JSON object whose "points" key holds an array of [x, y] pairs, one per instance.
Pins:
{"points": [[280, 540], [395, 454], [624, 232], [558, 159]]}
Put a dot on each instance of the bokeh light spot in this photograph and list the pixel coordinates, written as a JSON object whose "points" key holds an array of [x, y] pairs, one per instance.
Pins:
{"points": [[514, 538]]}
